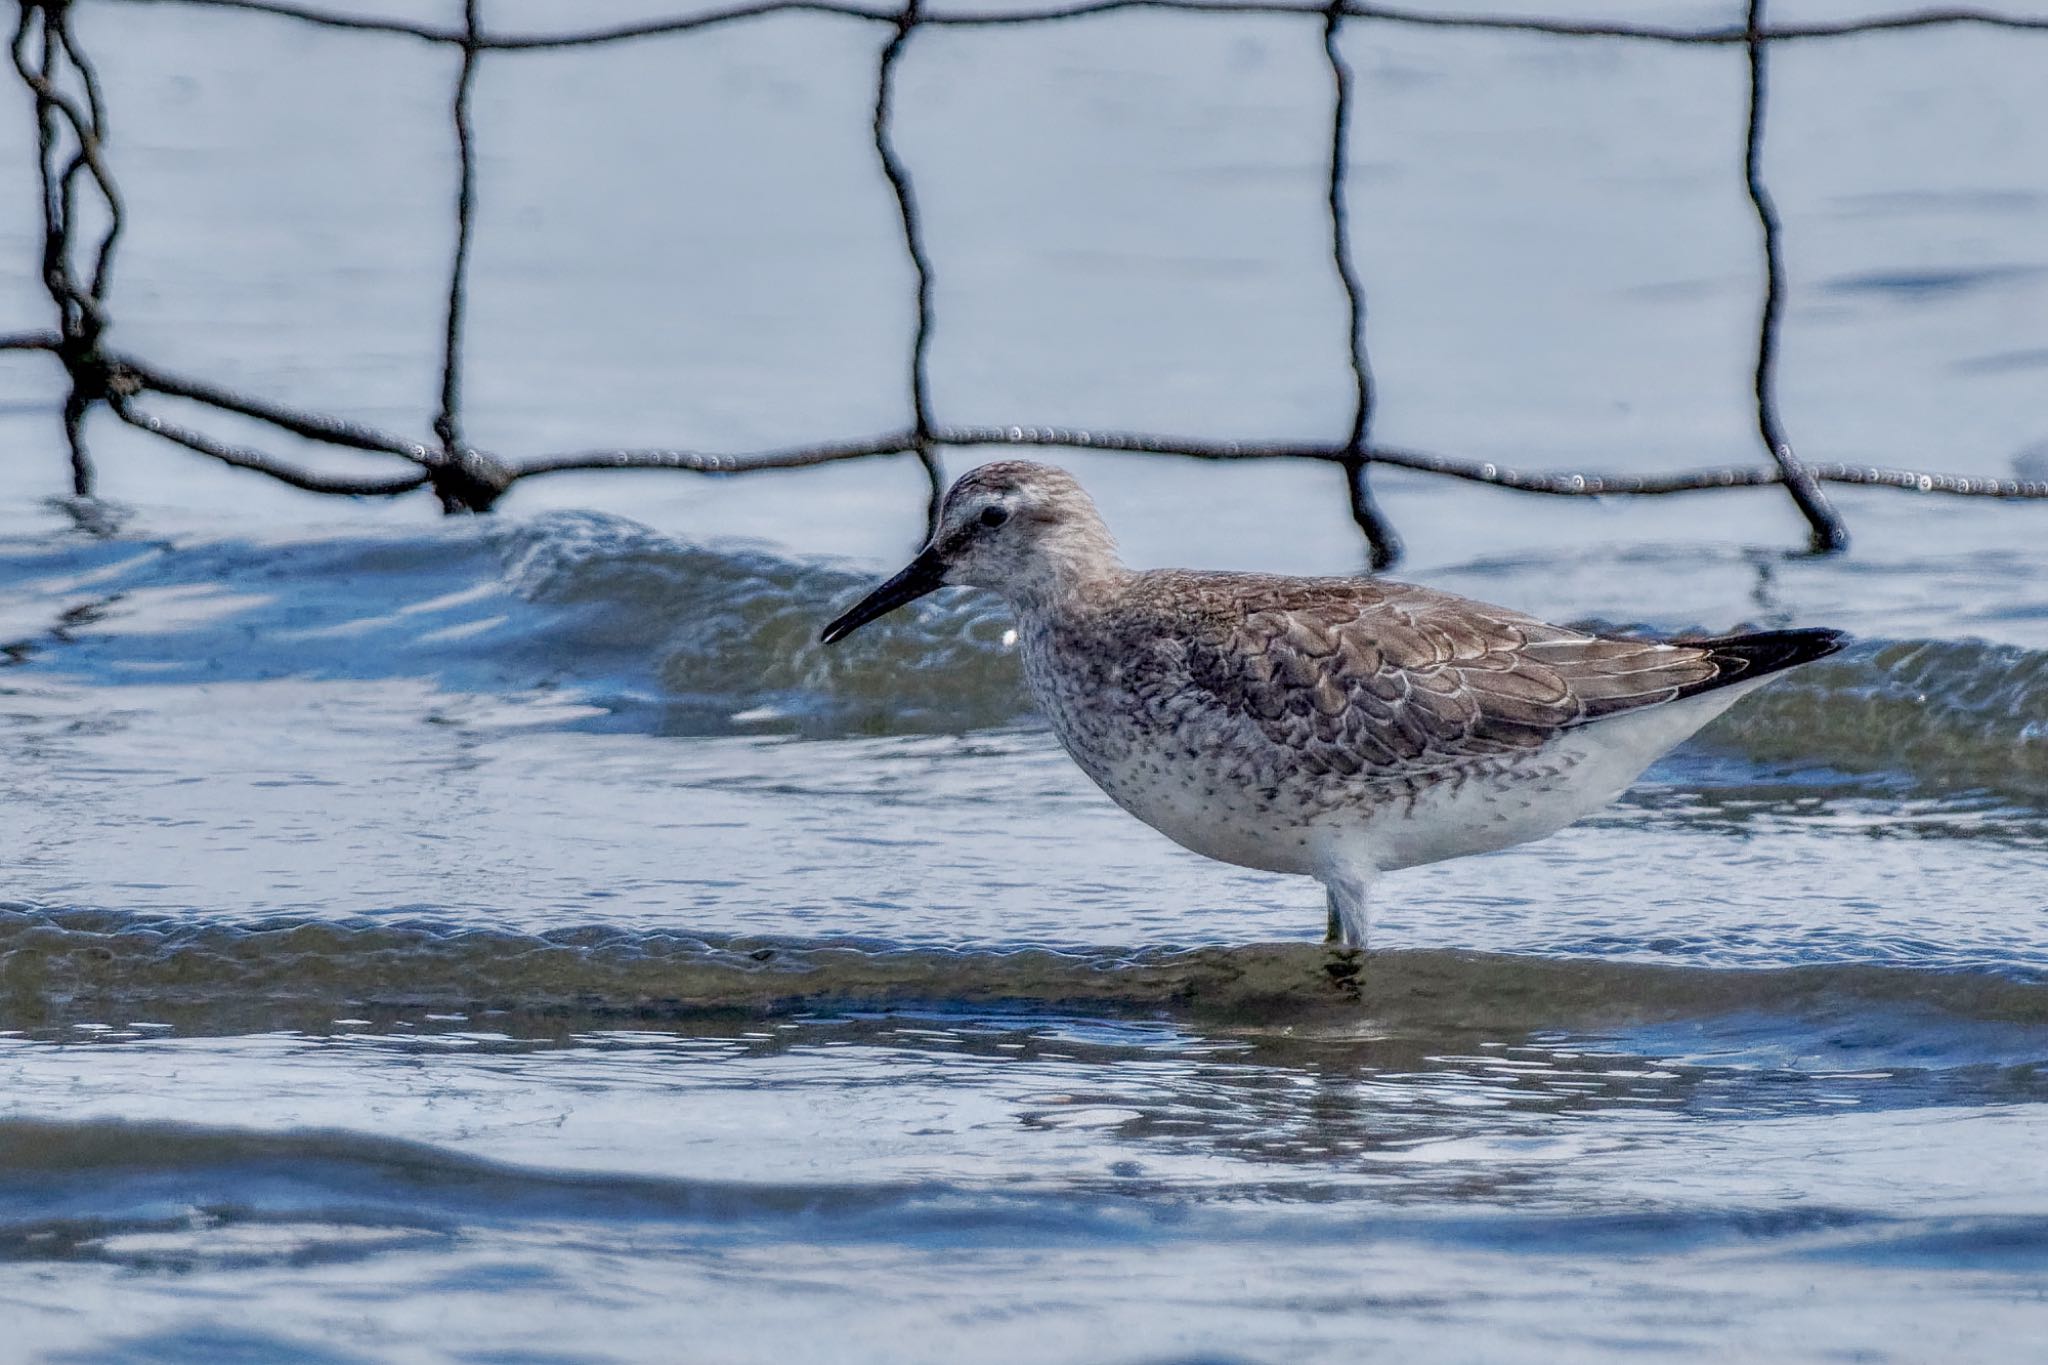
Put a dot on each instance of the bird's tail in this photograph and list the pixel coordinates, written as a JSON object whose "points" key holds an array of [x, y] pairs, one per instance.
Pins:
{"points": [[1740, 658]]}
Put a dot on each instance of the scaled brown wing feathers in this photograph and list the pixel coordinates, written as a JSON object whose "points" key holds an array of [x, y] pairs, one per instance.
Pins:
{"points": [[1362, 677]]}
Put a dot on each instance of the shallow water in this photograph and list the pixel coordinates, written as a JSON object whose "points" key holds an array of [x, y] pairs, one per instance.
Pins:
{"points": [[516, 940], [408, 927]]}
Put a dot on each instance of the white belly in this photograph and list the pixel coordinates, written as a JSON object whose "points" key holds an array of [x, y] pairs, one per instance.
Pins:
{"points": [[1199, 808], [1239, 809], [1579, 772]]}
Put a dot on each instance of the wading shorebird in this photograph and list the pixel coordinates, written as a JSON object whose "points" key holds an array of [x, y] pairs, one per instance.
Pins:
{"points": [[1336, 728]]}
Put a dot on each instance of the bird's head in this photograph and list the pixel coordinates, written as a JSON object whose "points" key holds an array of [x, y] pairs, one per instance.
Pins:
{"points": [[1025, 530]]}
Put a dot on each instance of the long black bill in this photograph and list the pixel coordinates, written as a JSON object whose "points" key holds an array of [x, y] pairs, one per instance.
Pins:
{"points": [[922, 575]]}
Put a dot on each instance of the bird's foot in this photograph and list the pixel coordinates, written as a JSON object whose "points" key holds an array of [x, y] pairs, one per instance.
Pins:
{"points": [[1345, 967]]}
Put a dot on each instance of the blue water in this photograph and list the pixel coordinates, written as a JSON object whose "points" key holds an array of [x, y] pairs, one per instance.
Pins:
{"points": [[515, 939]]}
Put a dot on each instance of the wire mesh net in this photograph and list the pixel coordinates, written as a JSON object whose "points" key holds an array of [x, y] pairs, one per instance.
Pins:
{"points": [[83, 218]]}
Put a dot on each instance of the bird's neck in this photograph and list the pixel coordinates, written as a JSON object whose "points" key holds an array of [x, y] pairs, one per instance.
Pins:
{"points": [[1071, 574]]}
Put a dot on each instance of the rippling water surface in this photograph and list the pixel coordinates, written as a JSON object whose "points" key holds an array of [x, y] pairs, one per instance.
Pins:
{"points": [[408, 926], [517, 940]]}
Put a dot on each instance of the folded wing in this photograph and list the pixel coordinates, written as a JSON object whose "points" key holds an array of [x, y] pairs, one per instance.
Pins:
{"points": [[1374, 678]]}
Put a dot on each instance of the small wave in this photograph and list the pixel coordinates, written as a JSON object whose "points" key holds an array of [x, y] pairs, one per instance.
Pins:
{"points": [[738, 633], [156, 1196], [65, 1163], [650, 632], [1951, 714], [62, 967], [169, 1196]]}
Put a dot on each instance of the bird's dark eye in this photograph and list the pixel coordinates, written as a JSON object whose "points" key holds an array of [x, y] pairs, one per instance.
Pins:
{"points": [[994, 516]]}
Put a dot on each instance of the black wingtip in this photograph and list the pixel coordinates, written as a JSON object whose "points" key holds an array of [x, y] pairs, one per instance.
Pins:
{"points": [[1739, 658]]}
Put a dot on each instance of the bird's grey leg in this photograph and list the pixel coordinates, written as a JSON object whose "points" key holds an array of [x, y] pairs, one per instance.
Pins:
{"points": [[1346, 889]]}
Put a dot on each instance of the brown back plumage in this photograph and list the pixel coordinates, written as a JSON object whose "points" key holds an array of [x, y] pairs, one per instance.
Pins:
{"points": [[1362, 674]]}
